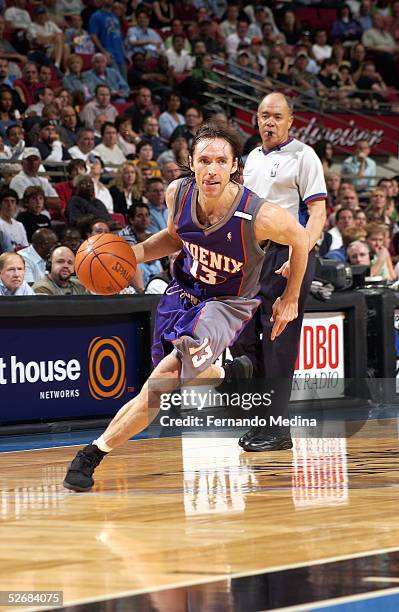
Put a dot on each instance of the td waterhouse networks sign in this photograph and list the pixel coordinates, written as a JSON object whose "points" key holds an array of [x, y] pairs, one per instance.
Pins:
{"points": [[68, 371]]}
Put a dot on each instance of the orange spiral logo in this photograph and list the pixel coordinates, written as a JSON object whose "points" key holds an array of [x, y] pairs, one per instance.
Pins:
{"points": [[107, 348]]}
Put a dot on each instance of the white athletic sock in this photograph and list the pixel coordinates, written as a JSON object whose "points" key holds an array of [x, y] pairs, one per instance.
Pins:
{"points": [[102, 445]]}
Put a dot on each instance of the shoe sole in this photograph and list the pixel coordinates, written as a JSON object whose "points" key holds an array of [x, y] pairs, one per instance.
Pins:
{"points": [[248, 365], [266, 450], [75, 488]]}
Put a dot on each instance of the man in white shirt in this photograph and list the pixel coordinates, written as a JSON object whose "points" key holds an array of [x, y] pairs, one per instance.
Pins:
{"points": [[35, 256], [84, 144], [46, 34], [108, 149], [12, 269], [286, 172], [179, 60], [240, 37], [28, 177], [17, 18], [12, 229]]}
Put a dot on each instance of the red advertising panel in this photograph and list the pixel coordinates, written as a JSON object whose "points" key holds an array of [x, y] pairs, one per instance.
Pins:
{"points": [[343, 130]]}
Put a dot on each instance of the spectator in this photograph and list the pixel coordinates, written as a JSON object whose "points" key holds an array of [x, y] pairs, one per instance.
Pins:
{"points": [[344, 219], [145, 157], [12, 270], [177, 152], [358, 253], [5, 243], [35, 255], [84, 202], [365, 15], [162, 14], [381, 43], [185, 11], [377, 209], [345, 27], [49, 145], [84, 144], [6, 78], [170, 171], [101, 105], [65, 189], [74, 79], [320, 49], [27, 86], [32, 217], [193, 117], [275, 73], [43, 96], [101, 75], [7, 112], [100, 191], [12, 229], [15, 141], [17, 18], [374, 90], [302, 78], [76, 37], [360, 218], [348, 199], [143, 39], [177, 28], [325, 153], [360, 167], [141, 109], [381, 262], [46, 77], [155, 194], [136, 231], [127, 138], [290, 28], [108, 149], [105, 30], [46, 35], [72, 239], [229, 25], [68, 130], [60, 279], [234, 40], [150, 135], [126, 188], [333, 181], [180, 59]]}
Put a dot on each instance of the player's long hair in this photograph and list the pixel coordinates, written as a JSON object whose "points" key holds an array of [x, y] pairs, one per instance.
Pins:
{"points": [[213, 130]]}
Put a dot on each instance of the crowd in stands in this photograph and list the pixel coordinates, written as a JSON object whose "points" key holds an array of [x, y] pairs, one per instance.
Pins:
{"points": [[100, 100]]}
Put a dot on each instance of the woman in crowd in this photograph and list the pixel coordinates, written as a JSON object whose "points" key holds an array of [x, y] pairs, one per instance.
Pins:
{"points": [[325, 153], [127, 187], [376, 211], [171, 118], [145, 156], [100, 190], [74, 80], [7, 111]]}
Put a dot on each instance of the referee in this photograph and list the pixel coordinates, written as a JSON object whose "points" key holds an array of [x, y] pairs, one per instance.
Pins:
{"points": [[286, 172]]}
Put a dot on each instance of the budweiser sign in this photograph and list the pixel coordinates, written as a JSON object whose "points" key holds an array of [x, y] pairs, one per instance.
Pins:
{"points": [[343, 130], [338, 136]]}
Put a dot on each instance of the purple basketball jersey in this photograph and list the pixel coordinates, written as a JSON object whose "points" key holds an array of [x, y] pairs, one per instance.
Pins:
{"points": [[223, 259]]}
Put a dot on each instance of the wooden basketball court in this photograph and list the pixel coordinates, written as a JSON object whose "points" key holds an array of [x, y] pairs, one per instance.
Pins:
{"points": [[195, 523]]}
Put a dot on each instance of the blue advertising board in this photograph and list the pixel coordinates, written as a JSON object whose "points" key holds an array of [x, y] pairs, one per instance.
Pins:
{"points": [[66, 368]]}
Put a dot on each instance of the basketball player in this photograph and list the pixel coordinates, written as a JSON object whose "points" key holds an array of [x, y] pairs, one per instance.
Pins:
{"points": [[218, 225], [289, 174]]}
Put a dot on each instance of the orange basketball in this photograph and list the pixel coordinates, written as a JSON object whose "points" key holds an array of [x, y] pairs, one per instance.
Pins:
{"points": [[105, 264]]}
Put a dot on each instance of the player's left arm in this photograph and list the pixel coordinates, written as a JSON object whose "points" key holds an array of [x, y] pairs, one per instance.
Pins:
{"points": [[276, 224]]}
